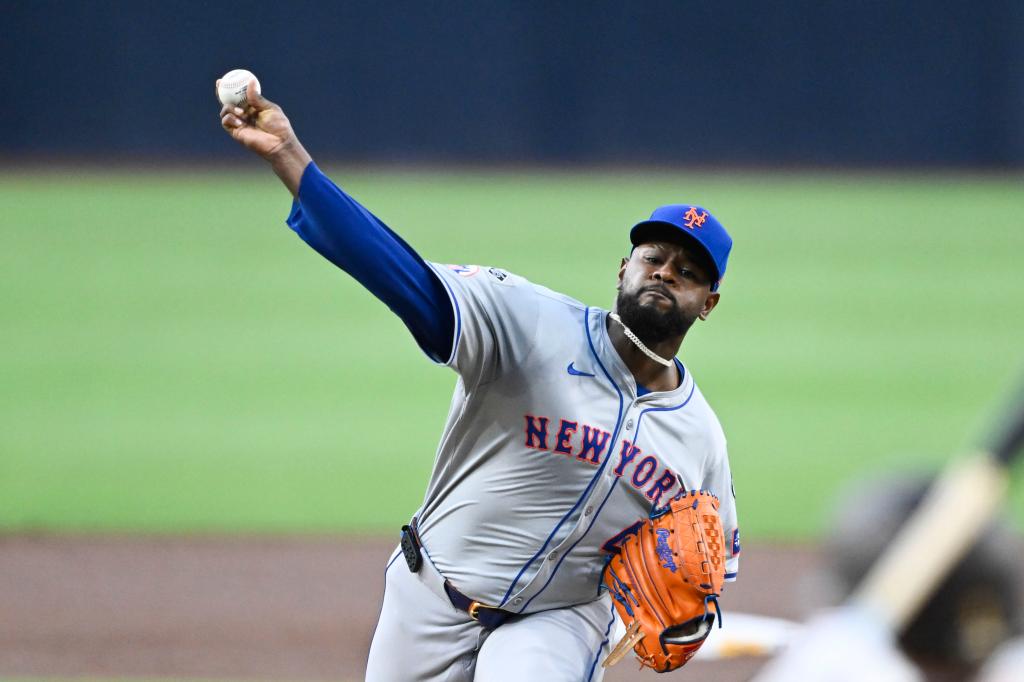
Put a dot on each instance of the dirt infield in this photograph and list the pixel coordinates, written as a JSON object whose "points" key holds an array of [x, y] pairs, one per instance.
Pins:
{"points": [[252, 608]]}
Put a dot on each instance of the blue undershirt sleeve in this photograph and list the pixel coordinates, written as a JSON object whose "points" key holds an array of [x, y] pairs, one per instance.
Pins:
{"points": [[355, 240]]}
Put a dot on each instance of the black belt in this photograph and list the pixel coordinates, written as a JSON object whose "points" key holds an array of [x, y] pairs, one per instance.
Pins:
{"points": [[489, 617]]}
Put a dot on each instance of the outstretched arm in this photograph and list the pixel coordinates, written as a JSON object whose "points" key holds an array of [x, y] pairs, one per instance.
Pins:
{"points": [[343, 231]]}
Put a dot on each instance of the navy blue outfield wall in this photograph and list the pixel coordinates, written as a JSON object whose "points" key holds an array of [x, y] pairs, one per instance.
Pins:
{"points": [[865, 83]]}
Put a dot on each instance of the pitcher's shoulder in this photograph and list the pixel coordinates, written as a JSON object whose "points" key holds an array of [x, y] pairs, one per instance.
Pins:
{"points": [[706, 416]]}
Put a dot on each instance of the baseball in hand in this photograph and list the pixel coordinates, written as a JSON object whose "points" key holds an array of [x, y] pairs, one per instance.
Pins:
{"points": [[233, 87]]}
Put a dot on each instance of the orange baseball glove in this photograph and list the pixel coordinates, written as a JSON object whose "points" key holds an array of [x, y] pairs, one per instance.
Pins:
{"points": [[665, 579]]}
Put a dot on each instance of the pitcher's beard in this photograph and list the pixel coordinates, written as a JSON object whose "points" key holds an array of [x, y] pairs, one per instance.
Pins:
{"points": [[649, 323]]}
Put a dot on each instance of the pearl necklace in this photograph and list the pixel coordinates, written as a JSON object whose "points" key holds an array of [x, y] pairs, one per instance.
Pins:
{"points": [[638, 343]]}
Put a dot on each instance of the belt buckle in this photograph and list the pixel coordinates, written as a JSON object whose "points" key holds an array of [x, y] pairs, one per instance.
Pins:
{"points": [[474, 610]]}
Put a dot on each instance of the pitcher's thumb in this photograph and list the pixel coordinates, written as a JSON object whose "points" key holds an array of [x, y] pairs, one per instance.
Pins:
{"points": [[256, 100]]}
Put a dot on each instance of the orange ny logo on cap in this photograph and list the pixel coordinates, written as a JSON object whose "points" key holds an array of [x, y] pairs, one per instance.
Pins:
{"points": [[693, 219]]}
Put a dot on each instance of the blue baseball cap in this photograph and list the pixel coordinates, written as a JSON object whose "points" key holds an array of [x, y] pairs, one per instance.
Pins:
{"points": [[696, 224]]}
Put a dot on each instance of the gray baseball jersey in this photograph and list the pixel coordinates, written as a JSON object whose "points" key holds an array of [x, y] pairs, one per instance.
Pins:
{"points": [[548, 454]]}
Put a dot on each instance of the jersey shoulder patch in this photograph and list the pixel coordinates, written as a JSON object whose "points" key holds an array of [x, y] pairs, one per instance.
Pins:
{"points": [[488, 273], [498, 274], [504, 277], [463, 270]]}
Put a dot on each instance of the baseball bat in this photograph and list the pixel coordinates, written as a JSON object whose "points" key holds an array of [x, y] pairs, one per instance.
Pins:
{"points": [[956, 509]]}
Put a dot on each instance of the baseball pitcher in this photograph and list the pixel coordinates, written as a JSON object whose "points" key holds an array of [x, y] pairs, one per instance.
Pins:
{"points": [[581, 475]]}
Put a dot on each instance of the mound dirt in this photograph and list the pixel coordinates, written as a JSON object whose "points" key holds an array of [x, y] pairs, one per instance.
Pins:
{"points": [[256, 607]]}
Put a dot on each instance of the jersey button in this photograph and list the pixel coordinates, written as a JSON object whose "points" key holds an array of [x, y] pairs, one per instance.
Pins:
{"points": [[517, 601], [588, 511], [629, 425], [552, 556]]}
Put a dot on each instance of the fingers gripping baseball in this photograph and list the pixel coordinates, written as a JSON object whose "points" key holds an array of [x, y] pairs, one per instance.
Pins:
{"points": [[261, 126]]}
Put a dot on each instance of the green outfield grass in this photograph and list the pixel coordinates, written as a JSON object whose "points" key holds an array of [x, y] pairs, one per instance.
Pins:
{"points": [[173, 358]]}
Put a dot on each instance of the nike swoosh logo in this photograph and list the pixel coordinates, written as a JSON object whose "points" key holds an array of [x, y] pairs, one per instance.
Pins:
{"points": [[576, 373]]}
